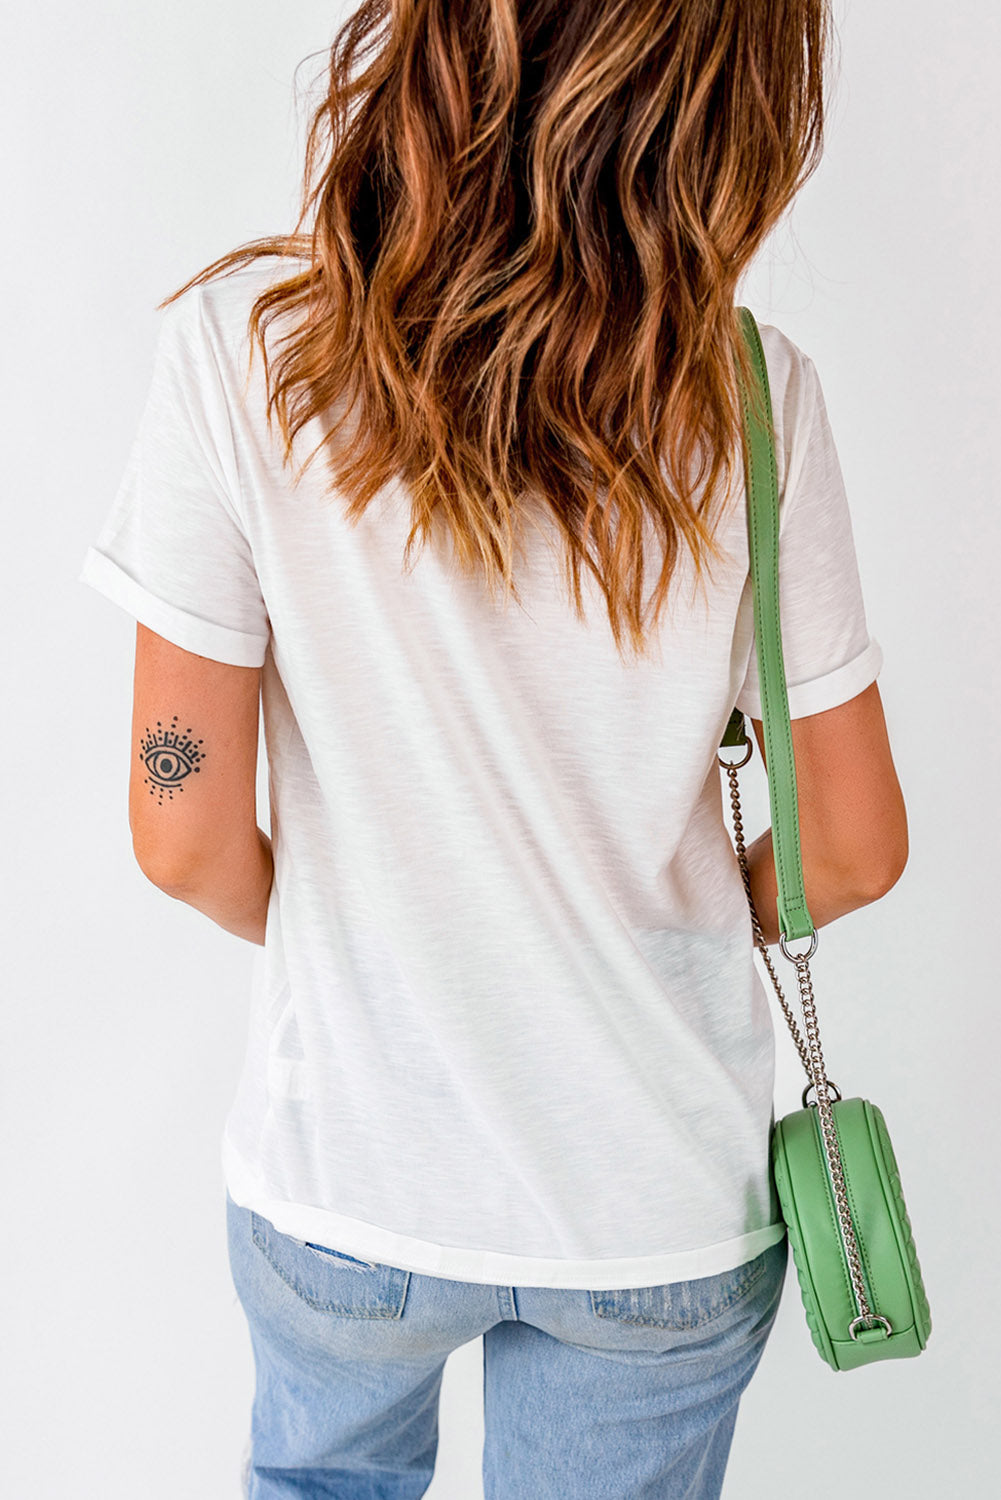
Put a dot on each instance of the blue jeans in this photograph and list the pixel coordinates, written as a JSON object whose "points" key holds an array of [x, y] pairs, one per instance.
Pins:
{"points": [[588, 1395]]}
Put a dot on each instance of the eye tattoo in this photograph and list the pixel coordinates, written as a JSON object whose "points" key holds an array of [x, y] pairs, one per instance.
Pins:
{"points": [[169, 757]]}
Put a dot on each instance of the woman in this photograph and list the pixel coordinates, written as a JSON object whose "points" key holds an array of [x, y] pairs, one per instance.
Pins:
{"points": [[509, 1069]]}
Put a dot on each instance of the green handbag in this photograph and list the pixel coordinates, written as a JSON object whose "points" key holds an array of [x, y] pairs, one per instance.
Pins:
{"points": [[833, 1165]]}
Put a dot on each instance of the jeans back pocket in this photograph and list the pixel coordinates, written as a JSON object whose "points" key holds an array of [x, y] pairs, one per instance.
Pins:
{"points": [[330, 1280]]}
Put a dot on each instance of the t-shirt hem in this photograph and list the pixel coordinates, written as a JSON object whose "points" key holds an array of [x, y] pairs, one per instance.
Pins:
{"points": [[454, 1263], [822, 693], [236, 648]]}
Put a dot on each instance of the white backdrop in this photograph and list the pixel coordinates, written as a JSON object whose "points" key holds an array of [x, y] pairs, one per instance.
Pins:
{"points": [[142, 142]]}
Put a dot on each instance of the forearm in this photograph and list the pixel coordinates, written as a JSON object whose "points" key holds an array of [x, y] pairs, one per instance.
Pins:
{"points": [[232, 891], [830, 892]]}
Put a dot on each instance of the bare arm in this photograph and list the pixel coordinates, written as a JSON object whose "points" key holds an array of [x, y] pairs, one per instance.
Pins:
{"points": [[192, 787], [853, 823]]}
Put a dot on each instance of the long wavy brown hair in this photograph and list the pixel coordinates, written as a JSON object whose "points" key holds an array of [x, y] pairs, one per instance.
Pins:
{"points": [[523, 223]]}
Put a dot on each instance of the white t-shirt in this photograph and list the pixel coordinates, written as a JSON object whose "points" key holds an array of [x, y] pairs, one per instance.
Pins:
{"points": [[506, 1026]]}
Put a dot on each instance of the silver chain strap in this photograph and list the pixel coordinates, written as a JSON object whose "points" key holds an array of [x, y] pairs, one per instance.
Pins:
{"points": [[810, 1055]]}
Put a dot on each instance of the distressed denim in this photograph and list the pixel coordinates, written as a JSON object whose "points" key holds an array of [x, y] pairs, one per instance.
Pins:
{"points": [[629, 1394]]}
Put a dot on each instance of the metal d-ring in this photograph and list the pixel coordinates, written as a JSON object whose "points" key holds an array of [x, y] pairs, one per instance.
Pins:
{"points": [[795, 958], [830, 1085], [735, 765], [876, 1318]]}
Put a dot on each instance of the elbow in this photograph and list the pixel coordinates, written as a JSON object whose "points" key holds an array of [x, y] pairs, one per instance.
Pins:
{"points": [[842, 880], [172, 878], [883, 866], [895, 849], [884, 879]]}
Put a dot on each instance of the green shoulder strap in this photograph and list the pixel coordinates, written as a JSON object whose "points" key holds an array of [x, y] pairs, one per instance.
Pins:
{"points": [[763, 545]]}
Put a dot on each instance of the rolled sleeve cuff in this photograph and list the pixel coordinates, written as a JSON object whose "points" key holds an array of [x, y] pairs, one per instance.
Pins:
{"points": [[238, 648], [821, 693]]}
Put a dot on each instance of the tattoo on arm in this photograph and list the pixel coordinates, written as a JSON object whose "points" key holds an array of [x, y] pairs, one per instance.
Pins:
{"points": [[169, 757]]}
